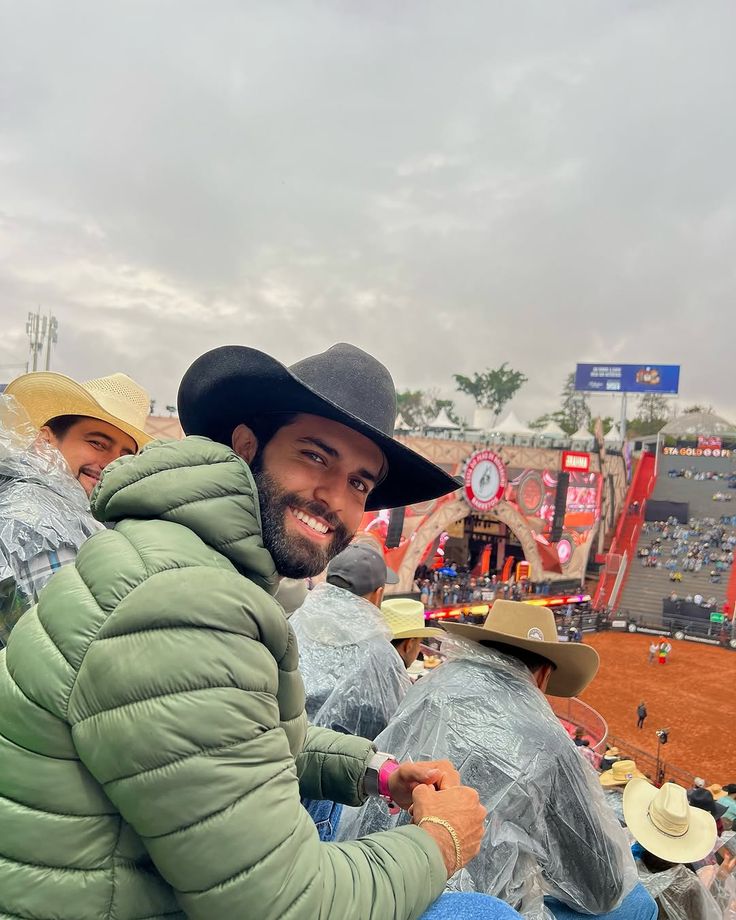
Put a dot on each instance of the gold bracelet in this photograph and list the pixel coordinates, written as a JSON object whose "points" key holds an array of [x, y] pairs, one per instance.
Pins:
{"points": [[431, 819]]}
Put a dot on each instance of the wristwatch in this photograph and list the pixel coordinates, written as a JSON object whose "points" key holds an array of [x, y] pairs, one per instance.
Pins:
{"points": [[372, 775]]}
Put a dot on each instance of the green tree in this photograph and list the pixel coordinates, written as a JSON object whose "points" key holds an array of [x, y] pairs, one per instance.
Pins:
{"points": [[652, 414], [419, 407], [574, 410], [493, 388]]}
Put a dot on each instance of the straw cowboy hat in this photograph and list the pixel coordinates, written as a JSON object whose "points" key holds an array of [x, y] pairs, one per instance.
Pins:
{"points": [[533, 628], [612, 752], [405, 619], [621, 773], [344, 384], [718, 792], [116, 399], [663, 822]]}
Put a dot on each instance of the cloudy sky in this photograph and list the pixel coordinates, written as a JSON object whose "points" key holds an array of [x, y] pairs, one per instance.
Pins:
{"points": [[449, 185]]}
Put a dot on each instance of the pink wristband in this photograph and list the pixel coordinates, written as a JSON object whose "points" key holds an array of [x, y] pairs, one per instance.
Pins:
{"points": [[383, 774]]}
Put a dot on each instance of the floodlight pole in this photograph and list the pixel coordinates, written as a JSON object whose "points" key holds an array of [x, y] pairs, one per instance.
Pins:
{"points": [[623, 418]]}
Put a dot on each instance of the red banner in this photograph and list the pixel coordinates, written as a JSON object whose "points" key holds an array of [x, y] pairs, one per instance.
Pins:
{"points": [[711, 442]]}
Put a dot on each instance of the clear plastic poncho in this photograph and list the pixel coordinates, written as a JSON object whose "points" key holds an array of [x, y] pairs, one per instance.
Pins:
{"points": [[42, 509], [548, 829], [353, 677], [681, 895]]}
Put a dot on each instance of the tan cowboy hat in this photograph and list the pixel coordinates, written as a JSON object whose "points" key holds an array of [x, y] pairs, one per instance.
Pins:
{"points": [[663, 822], [405, 618], [621, 773], [533, 628], [612, 752], [116, 399], [718, 792]]}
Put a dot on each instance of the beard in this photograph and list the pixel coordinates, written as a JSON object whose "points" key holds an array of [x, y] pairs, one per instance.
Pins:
{"points": [[295, 556]]}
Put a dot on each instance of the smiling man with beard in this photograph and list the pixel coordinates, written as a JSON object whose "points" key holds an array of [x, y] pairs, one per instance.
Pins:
{"points": [[153, 739], [58, 436]]}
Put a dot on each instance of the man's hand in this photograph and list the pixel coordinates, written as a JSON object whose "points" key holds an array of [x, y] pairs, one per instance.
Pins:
{"points": [[437, 773], [460, 807]]}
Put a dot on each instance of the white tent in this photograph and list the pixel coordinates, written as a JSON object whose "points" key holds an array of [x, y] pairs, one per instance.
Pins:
{"points": [[443, 422], [551, 430], [692, 424], [613, 436], [582, 434], [400, 424], [511, 425]]}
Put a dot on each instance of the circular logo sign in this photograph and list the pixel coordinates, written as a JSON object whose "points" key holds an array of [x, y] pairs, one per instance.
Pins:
{"points": [[535, 633], [485, 480]]}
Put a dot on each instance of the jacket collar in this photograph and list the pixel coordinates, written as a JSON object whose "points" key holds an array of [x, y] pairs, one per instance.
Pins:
{"points": [[198, 484]]}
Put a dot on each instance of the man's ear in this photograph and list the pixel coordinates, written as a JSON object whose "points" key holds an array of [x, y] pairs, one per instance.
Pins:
{"points": [[46, 435], [245, 443]]}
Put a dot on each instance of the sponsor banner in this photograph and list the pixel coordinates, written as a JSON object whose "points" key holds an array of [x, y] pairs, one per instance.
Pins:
{"points": [[712, 442], [653, 632], [696, 452], [575, 462], [628, 378], [619, 624]]}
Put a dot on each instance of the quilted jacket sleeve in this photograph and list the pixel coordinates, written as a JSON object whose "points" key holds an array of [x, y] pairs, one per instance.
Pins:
{"points": [[176, 712], [331, 766]]}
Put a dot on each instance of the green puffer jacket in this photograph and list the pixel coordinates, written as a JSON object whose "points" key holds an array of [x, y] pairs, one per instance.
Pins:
{"points": [[153, 742]]}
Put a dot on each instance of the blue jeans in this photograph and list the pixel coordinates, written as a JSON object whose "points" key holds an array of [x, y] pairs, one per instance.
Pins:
{"points": [[638, 905], [469, 906], [326, 815]]}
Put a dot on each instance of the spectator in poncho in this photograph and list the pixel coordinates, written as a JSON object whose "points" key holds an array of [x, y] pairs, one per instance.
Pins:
{"points": [[671, 837], [56, 437], [353, 675], [549, 831]]}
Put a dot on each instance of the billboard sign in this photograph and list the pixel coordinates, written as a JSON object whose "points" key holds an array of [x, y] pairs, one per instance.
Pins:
{"points": [[574, 461], [628, 378]]}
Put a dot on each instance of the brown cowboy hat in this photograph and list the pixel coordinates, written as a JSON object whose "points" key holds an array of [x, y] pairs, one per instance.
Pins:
{"points": [[533, 628]]}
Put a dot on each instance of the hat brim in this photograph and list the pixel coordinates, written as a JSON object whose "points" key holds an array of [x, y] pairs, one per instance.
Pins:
{"points": [[45, 395], [694, 845], [426, 632], [608, 780], [575, 664], [228, 384]]}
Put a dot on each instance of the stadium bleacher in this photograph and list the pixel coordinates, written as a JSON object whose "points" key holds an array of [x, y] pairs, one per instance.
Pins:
{"points": [[646, 588]]}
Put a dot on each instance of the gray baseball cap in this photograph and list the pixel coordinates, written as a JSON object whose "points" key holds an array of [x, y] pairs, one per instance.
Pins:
{"points": [[362, 569]]}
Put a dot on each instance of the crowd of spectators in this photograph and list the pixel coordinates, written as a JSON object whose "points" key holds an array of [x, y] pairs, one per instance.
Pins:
{"points": [[688, 884], [699, 475], [679, 548]]}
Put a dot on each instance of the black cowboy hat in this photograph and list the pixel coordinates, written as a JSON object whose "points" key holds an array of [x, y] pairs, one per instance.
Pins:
{"points": [[228, 384]]}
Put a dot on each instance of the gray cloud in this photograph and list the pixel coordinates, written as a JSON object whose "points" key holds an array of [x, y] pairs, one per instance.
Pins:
{"points": [[449, 186]]}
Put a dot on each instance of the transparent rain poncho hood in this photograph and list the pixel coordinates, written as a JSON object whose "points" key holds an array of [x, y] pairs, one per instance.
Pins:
{"points": [[42, 509], [353, 677], [548, 829]]}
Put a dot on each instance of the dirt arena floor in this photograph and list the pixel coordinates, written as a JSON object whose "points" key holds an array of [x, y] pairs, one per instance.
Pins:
{"points": [[692, 695]]}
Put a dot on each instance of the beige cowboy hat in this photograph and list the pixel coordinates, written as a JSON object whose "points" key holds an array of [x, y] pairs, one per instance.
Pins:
{"points": [[405, 618], [116, 399], [621, 773], [533, 628], [663, 822], [612, 752]]}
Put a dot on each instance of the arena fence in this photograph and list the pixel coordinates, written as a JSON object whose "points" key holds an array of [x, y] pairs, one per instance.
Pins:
{"points": [[580, 714], [648, 764]]}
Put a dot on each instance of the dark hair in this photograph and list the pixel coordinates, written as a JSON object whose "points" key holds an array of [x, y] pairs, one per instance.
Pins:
{"points": [[60, 425], [532, 661], [655, 863], [338, 582], [264, 427], [729, 788]]}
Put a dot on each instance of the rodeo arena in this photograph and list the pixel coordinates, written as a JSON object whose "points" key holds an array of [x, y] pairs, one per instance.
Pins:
{"points": [[282, 655]]}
